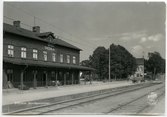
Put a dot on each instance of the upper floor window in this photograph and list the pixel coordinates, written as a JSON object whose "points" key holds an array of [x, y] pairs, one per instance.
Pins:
{"points": [[74, 60], [23, 52], [54, 57], [61, 58], [68, 58], [141, 69], [45, 55], [10, 50], [35, 54]]}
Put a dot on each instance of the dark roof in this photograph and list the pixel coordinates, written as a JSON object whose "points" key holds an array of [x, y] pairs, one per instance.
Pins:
{"points": [[44, 34], [63, 43], [20, 31], [140, 61], [44, 64], [27, 33]]}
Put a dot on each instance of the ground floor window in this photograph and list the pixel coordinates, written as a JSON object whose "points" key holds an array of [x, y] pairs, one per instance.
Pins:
{"points": [[60, 76]]}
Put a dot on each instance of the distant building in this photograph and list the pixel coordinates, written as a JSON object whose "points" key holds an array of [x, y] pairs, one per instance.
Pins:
{"points": [[31, 56], [140, 67]]}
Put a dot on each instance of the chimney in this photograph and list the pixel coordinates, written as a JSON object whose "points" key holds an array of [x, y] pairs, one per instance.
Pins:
{"points": [[36, 29], [16, 24]]}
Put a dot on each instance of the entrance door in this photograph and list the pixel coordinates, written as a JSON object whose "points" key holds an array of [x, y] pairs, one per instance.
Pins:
{"points": [[10, 75], [44, 80]]}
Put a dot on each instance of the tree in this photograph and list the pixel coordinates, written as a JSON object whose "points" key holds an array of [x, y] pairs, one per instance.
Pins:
{"points": [[99, 61], [155, 63], [85, 63], [122, 62]]}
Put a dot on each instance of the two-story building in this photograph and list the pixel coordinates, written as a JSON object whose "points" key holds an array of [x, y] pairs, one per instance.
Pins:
{"points": [[140, 67], [31, 56]]}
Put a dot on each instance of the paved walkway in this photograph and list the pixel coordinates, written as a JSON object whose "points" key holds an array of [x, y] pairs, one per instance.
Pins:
{"points": [[14, 95]]}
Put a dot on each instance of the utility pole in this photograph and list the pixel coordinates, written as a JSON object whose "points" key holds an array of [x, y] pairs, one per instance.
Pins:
{"points": [[143, 65], [34, 21], [109, 61]]}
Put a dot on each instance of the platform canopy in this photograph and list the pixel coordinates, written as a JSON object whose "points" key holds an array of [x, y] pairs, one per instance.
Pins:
{"points": [[45, 64]]}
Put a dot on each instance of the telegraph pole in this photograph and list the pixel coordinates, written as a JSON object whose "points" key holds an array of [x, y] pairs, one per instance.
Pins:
{"points": [[109, 61], [34, 21]]}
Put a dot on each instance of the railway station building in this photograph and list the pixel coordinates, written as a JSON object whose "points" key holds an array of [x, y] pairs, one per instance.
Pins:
{"points": [[32, 57], [140, 67]]}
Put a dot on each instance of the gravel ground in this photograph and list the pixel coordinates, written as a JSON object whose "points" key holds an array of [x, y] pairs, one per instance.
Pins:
{"points": [[107, 104]]}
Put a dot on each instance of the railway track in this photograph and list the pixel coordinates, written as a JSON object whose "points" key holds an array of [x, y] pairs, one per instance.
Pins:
{"points": [[137, 105], [71, 103]]}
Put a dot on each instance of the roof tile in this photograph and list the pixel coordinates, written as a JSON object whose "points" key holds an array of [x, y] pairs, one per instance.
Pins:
{"points": [[27, 33]]}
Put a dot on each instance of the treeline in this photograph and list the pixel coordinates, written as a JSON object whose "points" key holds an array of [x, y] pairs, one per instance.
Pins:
{"points": [[155, 64], [122, 62]]}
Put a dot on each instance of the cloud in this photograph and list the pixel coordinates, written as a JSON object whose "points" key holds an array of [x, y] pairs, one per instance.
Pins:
{"points": [[143, 39], [125, 38], [156, 37], [137, 51], [151, 38], [149, 46], [133, 35]]}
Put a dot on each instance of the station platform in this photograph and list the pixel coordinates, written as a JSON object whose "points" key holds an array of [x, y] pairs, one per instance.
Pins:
{"points": [[14, 99], [11, 96], [159, 108]]}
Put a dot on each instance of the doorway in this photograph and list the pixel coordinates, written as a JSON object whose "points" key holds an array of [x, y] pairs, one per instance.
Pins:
{"points": [[44, 79]]}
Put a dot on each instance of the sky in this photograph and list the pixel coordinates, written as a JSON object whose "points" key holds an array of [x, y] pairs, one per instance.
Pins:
{"points": [[138, 26]]}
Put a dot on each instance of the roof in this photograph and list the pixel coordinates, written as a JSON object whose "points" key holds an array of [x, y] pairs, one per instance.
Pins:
{"points": [[44, 64], [63, 43], [44, 34], [20, 31], [27, 33], [139, 61]]}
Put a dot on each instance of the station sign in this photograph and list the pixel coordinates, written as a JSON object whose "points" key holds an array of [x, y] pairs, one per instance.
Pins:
{"points": [[49, 48]]}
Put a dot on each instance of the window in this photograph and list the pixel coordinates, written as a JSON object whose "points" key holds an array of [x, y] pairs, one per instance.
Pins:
{"points": [[23, 52], [141, 69], [35, 54], [54, 57], [74, 60], [45, 55], [138, 75], [10, 50], [61, 58], [138, 68], [68, 58]]}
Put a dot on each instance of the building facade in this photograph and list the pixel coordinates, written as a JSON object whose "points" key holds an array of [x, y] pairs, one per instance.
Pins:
{"points": [[32, 57], [140, 67]]}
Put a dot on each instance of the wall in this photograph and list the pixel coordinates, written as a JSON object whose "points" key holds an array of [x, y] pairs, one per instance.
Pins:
{"points": [[30, 44]]}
